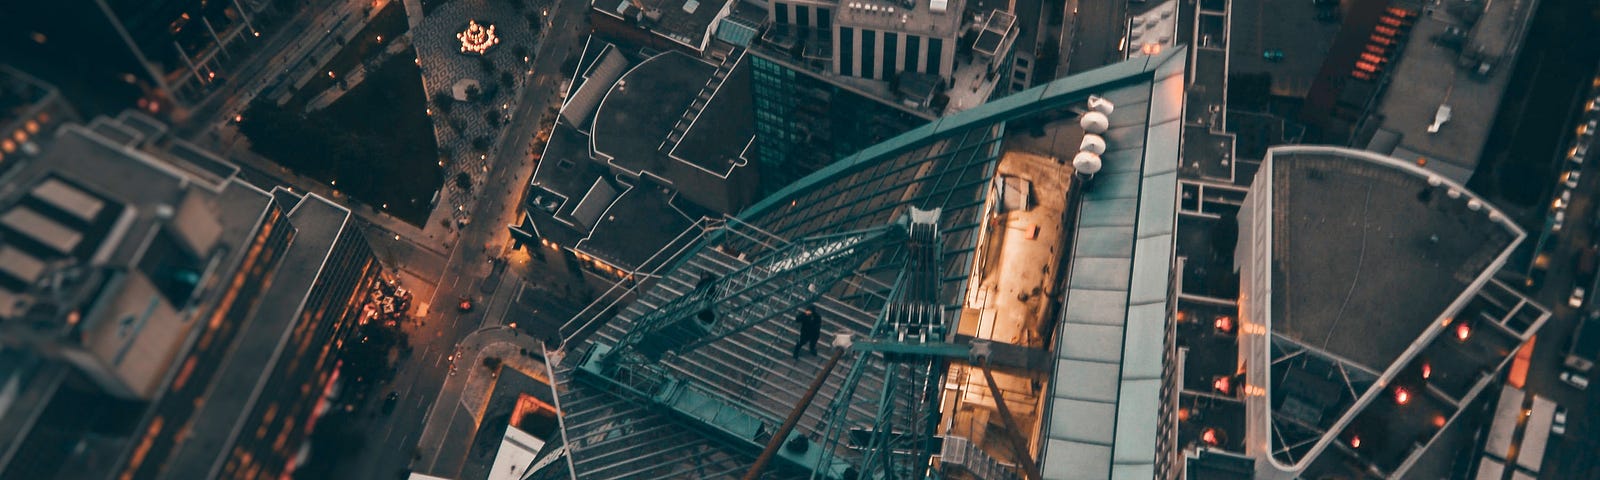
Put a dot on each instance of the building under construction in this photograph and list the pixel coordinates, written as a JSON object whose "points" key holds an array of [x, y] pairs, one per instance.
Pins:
{"points": [[994, 289]]}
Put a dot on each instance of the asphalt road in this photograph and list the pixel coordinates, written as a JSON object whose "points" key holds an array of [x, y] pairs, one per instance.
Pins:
{"points": [[1097, 35], [1571, 456]]}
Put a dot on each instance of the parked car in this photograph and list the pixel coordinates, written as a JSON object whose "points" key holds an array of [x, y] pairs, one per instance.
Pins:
{"points": [[1571, 178], [1559, 426], [1562, 200], [1576, 380], [390, 401], [1576, 153], [1576, 300], [1557, 222]]}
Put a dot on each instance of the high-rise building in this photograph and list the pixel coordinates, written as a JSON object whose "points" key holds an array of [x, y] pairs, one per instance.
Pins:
{"points": [[1369, 317], [831, 78], [160, 317], [983, 226]]}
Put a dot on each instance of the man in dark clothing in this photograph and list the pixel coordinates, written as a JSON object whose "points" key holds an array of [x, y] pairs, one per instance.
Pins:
{"points": [[810, 330]]}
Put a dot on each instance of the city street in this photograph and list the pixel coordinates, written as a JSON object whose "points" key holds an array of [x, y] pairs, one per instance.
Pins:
{"points": [[396, 440]]}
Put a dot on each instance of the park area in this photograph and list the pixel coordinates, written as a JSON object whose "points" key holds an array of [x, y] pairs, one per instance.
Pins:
{"points": [[374, 144]]}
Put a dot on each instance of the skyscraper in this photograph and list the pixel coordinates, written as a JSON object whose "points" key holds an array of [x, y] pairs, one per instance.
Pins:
{"points": [[1064, 284], [162, 318]]}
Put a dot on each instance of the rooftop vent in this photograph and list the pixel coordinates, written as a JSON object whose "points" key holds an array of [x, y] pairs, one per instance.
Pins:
{"points": [[939, 6], [1439, 118]]}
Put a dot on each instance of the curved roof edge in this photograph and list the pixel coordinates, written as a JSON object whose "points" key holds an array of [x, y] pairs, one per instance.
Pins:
{"points": [[1434, 327], [1056, 94]]}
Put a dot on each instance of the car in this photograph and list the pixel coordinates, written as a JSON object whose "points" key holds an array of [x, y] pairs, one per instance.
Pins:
{"points": [[1576, 300], [465, 305], [1572, 378], [1559, 425], [1576, 153], [1571, 178], [1562, 200], [390, 401], [1587, 129], [1558, 221]]}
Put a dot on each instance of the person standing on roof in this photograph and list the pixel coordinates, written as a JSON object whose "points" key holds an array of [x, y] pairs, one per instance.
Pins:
{"points": [[810, 330]]}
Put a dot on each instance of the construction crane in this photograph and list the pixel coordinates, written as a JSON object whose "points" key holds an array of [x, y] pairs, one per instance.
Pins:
{"points": [[906, 352]]}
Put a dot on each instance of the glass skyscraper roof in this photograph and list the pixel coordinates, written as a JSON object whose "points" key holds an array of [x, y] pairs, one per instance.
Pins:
{"points": [[947, 164]]}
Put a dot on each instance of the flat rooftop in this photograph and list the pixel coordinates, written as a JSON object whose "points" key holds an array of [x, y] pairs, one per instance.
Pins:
{"points": [[891, 15], [667, 114], [1368, 247], [1427, 76], [641, 108]]}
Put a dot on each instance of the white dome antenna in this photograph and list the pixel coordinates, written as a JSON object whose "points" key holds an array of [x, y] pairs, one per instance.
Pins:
{"points": [[1093, 144], [1095, 122], [1101, 105]]}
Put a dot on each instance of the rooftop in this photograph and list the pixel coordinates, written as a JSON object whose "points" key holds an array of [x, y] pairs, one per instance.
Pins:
{"points": [[1371, 246], [688, 22], [1363, 243], [1105, 388], [927, 18], [1427, 77], [666, 119], [640, 110], [238, 385]]}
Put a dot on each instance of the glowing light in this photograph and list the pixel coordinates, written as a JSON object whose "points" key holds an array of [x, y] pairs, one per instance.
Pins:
{"points": [[1151, 48], [1224, 324], [1438, 421], [1210, 436], [1402, 396], [380, 38], [1427, 370], [1463, 332], [1355, 441], [1223, 385], [477, 38]]}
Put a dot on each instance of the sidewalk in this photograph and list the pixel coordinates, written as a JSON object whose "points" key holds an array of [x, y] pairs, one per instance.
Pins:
{"points": [[454, 417]]}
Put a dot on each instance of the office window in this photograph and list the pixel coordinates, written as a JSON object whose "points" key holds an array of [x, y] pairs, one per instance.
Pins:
{"points": [[935, 55], [780, 12], [847, 37], [824, 18], [802, 15], [869, 42], [913, 52], [891, 50]]}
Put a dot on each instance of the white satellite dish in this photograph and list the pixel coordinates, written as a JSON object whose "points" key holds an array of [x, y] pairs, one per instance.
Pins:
{"points": [[1093, 144]]}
